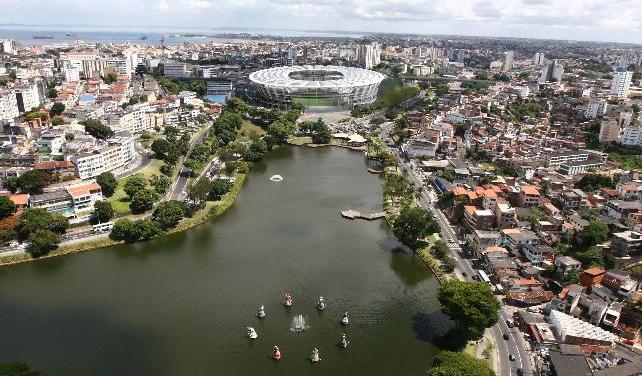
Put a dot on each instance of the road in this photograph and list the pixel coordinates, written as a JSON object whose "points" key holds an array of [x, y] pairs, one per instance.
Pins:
{"points": [[515, 344]]}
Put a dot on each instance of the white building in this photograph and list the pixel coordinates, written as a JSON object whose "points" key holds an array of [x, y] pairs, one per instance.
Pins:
{"points": [[369, 55], [621, 83], [28, 96], [574, 331], [71, 72], [8, 106], [538, 59], [175, 69], [632, 136], [118, 152], [595, 108], [509, 56], [8, 46]]}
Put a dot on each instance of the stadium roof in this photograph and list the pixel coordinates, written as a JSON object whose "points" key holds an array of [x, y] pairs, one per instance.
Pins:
{"points": [[341, 77]]}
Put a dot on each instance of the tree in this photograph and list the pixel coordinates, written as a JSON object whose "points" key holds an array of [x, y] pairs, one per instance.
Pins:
{"points": [[449, 363], [12, 184], [103, 212], [218, 188], [160, 183], [108, 183], [17, 369], [97, 129], [143, 201], [413, 223], [256, 151], [198, 192], [57, 108], [33, 181], [7, 207], [52, 93], [130, 232], [593, 182], [440, 249], [279, 131], [167, 214], [321, 133], [34, 219], [470, 304], [110, 78], [595, 233], [133, 184], [69, 136], [161, 148], [57, 121], [41, 242]]}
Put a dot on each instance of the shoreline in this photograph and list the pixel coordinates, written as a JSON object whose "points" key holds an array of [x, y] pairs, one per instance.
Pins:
{"points": [[211, 210]]}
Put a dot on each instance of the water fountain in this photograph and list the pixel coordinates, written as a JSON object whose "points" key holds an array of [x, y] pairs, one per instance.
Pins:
{"points": [[298, 324], [276, 178]]}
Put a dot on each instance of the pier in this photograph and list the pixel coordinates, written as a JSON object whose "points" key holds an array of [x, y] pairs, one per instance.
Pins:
{"points": [[353, 214]]}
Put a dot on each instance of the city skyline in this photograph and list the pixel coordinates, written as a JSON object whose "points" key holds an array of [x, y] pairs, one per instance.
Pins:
{"points": [[617, 21]]}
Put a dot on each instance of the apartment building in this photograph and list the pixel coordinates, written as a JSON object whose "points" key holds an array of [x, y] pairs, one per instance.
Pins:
{"points": [[116, 153], [557, 158], [621, 83], [8, 105]]}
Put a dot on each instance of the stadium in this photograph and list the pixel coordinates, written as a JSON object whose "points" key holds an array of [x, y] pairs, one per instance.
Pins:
{"points": [[317, 87]]}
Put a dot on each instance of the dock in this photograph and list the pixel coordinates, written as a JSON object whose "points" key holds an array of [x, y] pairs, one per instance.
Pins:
{"points": [[353, 214]]}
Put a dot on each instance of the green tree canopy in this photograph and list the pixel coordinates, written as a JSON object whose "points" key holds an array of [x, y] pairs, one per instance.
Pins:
{"points": [[7, 207], [412, 224], [256, 151], [97, 129], [108, 183], [595, 233], [218, 188], [133, 184], [33, 181], [34, 219], [280, 130], [17, 369], [41, 242], [103, 212], [167, 214], [130, 232], [470, 304], [448, 363], [110, 78], [57, 109], [593, 182], [143, 201]]}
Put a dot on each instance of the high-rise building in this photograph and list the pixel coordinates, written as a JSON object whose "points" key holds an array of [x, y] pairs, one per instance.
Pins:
{"points": [[538, 59], [595, 108], [369, 55], [621, 83], [8, 106], [632, 136], [551, 72], [508, 60]]}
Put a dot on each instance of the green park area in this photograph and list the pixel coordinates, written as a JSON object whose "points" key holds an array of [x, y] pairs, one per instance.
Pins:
{"points": [[119, 200]]}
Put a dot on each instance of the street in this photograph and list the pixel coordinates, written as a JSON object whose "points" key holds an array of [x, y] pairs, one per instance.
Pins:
{"points": [[515, 344]]}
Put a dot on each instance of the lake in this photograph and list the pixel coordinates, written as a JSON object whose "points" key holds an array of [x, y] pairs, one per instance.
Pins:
{"points": [[180, 305]]}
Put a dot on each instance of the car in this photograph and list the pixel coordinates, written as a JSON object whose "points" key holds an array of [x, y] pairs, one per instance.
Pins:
{"points": [[511, 357], [519, 372], [505, 335], [464, 274], [509, 324]]}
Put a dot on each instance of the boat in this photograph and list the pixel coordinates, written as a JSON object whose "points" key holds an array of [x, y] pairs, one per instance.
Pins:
{"points": [[71, 35], [345, 320], [321, 304], [251, 333], [315, 358], [288, 300], [343, 342], [144, 37], [276, 353], [43, 37], [261, 312]]}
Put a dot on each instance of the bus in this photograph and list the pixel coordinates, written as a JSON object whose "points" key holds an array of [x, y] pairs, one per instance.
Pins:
{"points": [[484, 276], [102, 227]]}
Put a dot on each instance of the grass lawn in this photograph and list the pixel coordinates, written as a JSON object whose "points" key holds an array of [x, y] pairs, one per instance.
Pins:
{"points": [[471, 349], [299, 140], [119, 200], [248, 129]]}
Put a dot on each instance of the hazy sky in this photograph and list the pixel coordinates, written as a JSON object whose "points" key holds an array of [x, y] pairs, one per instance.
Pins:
{"points": [[604, 20]]}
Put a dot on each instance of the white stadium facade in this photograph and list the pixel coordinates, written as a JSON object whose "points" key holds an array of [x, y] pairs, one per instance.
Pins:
{"points": [[316, 86]]}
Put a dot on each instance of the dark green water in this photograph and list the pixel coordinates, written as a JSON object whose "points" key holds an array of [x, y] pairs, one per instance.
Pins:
{"points": [[179, 305]]}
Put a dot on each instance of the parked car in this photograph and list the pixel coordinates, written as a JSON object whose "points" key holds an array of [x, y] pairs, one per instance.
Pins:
{"points": [[520, 372], [509, 323], [505, 335], [511, 357]]}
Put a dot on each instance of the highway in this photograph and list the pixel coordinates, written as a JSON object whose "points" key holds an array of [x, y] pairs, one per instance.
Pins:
{"points": [[515, 344]]}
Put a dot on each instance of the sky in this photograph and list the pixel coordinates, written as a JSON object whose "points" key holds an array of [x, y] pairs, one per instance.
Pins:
{"points": [[599, 20]]}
